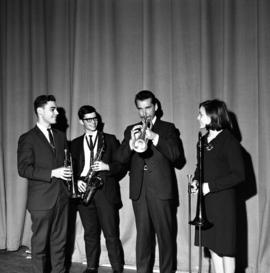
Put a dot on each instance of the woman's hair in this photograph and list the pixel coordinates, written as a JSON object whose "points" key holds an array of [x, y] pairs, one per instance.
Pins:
{"points": [[218, 113]]}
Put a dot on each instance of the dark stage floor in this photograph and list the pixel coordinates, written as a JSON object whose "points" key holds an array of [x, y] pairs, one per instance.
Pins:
{"points": [[17, 262]]}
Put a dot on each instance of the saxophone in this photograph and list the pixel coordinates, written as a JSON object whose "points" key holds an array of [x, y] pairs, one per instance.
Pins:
{"points": [[92, 180]]}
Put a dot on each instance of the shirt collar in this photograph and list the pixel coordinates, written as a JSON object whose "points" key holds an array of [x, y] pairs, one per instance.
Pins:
{"points": [[94, 134], [43, 128]]}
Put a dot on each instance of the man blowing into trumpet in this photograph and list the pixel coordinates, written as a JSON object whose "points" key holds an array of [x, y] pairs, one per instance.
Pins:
{"points": [[152, 149]]}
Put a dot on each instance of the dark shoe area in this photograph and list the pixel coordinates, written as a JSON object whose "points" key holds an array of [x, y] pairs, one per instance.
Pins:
{"points": [[20, 262], [90, 270]]}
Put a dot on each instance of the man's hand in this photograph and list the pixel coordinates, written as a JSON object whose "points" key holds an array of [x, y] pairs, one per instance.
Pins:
{"points": [[194, 186], [150, 134], [100, 166], [64, 173], [135, 132]]}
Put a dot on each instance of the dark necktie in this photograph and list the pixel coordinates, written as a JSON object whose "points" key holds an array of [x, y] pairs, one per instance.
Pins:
{"points": [[51, 138], [91, 147]]}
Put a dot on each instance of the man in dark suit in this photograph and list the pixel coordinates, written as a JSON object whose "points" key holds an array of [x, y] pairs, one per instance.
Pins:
{"points": [[95, 149], [40, 159], [153, 185]]}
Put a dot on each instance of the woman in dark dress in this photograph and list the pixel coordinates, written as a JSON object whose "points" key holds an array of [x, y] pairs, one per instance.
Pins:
{"points": [[223, 170]]}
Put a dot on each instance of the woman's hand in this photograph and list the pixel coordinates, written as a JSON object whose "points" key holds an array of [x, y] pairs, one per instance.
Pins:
{"points": [[205, 188]]}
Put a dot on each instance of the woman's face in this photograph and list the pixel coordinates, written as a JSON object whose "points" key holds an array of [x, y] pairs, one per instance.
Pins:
{"points": [[203, 118]]}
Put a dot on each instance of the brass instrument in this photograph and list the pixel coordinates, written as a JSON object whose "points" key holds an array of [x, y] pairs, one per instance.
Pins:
{"points": [[93, 182], [70, 182], [189, 177], [200, 220], [141, 141]]}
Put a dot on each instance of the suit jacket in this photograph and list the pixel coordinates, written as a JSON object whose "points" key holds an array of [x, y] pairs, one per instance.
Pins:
{"points": [[36, 160], [111, 188], [160, 160]]}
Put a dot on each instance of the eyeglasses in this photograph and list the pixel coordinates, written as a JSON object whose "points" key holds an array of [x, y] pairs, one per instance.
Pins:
{"points": [[90, 119]]}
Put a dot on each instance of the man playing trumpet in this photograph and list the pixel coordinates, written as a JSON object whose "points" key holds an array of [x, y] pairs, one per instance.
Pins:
{"points": [[153, 185]]}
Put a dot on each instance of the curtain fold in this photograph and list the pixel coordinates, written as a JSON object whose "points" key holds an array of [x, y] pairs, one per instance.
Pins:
{"points": [[101, 52]]}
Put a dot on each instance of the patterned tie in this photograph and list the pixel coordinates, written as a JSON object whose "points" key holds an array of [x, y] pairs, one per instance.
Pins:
{"points": [[91, 147], [51, 139]]}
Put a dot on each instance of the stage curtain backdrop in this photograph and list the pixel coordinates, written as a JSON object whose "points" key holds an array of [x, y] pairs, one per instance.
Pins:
{"points": [[101, 52]]}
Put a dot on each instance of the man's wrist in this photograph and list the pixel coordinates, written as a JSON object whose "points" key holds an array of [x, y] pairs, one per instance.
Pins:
{"points": [[131, 144], [155, 139]]}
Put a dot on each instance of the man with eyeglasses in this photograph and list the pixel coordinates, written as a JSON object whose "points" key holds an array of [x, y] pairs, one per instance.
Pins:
{"points": [[102, 212]]}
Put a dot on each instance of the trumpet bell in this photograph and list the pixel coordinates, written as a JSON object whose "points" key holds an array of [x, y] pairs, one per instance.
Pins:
{"points": [[140, 146], [141, 142], [201, 222]]}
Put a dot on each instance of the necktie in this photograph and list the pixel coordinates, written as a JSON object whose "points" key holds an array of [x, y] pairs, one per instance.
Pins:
{"points": [[91, 146], [51, 138]]}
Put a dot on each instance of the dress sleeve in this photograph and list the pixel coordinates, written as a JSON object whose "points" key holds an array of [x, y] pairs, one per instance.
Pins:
{"points": [[233, 161]]}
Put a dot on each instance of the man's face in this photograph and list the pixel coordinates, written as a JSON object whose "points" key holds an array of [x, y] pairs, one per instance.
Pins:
{"points": [[48, 113], [146, 108], [90, 122]]}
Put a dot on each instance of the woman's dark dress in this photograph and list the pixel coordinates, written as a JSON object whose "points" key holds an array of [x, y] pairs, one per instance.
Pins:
{"points": [[223, 170]]}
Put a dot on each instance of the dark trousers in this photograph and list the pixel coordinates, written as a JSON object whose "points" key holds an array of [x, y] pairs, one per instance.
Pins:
{"points": [[155, 217], [96, 216], [48, 240]]}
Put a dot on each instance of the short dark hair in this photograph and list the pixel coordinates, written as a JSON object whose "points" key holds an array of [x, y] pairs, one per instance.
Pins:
{"points": [[41, 100], [218, 113], [86, 109], [144, 95]]}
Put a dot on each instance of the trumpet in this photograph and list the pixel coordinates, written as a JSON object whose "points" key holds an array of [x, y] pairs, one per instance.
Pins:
{"points": [[70, 182], [141, 141]]}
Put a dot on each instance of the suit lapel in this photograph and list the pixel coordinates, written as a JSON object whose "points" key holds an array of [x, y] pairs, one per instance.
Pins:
{"points": [[156, 126], [100, 140], [43, 138], [55, 137]]}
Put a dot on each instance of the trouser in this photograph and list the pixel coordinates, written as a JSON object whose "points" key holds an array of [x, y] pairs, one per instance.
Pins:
{"points": [[155, 218], [48, 240], [99, 215]]}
